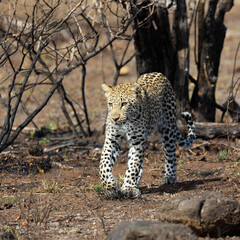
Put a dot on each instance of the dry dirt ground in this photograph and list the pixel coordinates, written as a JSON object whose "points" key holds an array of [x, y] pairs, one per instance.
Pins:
{"points": [[63, 202], [49, 187]]}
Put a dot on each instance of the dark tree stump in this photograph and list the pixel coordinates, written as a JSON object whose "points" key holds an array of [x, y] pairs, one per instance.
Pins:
{"points": [[211, 35]]}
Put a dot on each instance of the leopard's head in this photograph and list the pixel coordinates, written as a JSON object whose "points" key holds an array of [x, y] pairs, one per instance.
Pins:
{"points": [[124, 102]]}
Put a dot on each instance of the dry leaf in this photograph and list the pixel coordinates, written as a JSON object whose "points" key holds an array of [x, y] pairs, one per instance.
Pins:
{"points": [[18, 217]]}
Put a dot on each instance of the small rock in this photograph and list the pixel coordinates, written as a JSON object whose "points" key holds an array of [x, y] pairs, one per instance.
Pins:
{"points": [[143, 230], [210, 213], [7, 236]]}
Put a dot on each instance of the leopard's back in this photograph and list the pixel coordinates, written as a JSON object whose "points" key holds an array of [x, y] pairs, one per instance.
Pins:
{"points": [[160, 97]]}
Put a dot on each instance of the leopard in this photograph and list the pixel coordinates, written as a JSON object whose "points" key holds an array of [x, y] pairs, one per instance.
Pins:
{"points": [[134, 111]]}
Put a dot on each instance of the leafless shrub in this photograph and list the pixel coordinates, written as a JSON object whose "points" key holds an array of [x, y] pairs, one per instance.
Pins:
{"points": [[42, 42]]}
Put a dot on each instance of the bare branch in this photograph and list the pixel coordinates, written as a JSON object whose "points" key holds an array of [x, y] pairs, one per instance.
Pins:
{"points": [[43, 43]]}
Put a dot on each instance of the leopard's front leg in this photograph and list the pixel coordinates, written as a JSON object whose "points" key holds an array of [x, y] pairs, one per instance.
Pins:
{"points": [[135, 166], [109, 155]]}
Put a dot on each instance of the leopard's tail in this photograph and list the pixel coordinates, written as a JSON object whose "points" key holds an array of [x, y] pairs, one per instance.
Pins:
{"points": [[182, 142]]}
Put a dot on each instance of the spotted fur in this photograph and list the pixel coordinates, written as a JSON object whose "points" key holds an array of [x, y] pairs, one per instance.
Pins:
{"points": [[134, 110]]}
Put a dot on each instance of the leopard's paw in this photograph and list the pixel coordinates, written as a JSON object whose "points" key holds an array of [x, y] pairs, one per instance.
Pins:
{"points": [[169, 180], [131, 192]]}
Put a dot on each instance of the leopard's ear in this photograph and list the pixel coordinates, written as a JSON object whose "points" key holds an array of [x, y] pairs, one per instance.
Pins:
{"points": [[106, 88], [133, 88]]}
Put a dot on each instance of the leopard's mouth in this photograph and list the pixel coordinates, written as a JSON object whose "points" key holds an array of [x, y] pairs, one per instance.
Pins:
{"points": [[119, 122]]}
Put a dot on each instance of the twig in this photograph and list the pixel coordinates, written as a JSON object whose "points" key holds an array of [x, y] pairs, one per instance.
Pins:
{"points": [[84, 99], [36, 38]]}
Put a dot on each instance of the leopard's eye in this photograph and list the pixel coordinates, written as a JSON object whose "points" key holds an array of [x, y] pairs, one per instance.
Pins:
{"points": [[110, 104], [123, 104]]}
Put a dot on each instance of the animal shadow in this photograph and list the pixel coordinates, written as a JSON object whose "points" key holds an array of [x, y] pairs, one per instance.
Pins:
{"points": [[178, 187]]}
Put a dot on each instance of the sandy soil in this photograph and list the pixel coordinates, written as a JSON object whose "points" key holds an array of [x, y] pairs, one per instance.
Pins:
{"points": [[63, 202]]}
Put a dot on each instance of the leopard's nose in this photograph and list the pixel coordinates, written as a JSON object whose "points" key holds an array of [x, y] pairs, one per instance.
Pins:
{"points": [[115, 119]]}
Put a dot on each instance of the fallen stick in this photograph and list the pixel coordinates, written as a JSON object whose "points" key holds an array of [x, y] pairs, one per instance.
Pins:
{"points": [[209, 130]]}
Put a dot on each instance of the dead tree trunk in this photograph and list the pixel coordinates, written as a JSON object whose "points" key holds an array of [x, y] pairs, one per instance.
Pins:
{"points": [[152, 41], [158, 50], [181, 28], [215, 130], [211, 34]]}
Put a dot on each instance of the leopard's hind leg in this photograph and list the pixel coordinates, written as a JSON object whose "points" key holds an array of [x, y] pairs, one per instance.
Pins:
{"points": [[168, 137]]}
